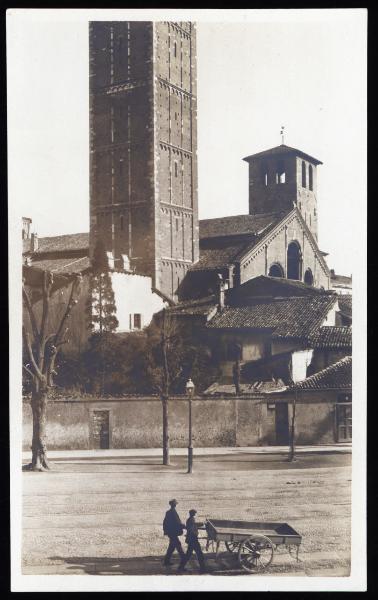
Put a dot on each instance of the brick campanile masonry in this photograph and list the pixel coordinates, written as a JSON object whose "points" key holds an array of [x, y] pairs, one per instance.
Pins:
{"points": [[143, 146]]}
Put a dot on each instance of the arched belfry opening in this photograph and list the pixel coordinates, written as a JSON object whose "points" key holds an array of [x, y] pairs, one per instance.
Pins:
{"points": [[276, 270], [308, 277], [294, 261]]}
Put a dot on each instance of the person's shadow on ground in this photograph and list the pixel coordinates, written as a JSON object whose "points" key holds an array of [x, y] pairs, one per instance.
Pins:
{"points": [[153, 565]]}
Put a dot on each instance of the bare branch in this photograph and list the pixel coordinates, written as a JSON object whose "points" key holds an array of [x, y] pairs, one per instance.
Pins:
{"points": [[46, 293], [37, 373], [28, 370], [30, 310], [71, 303]]}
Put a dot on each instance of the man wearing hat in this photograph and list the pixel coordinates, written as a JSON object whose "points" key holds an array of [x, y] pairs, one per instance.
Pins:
{"points": [[173, 527], [193, 543]]}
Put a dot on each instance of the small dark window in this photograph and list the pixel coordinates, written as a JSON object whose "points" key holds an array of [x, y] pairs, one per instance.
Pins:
{"points": [[175, 169], [177, 224], [137, 321], [303, 174], [175, 49], [121, 167], [310, 176], [308, 277]]}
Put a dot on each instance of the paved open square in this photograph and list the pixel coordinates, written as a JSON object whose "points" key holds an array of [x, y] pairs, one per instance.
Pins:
{"points": [[103, 514]]}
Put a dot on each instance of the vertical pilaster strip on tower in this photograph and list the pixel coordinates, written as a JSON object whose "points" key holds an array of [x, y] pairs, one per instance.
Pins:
{"points": [[193, 104]]}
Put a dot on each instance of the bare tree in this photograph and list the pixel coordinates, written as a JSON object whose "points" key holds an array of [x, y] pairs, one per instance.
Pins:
{"points": [[41, 349], [164, 365], [236, 369]]}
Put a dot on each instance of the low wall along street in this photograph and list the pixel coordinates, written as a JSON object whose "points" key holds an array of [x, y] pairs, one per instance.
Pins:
{"points": [[136, 422]]}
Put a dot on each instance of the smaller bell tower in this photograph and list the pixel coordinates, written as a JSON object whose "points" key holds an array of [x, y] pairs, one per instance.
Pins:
{"points": [[281, 178]]}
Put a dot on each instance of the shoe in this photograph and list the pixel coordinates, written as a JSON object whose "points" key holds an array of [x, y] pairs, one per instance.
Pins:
{"points": [[167, 564]]}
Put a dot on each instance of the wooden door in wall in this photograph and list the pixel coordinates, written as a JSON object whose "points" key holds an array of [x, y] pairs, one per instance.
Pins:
{"points": [[282, 424], [100, 429], [344, 422]]}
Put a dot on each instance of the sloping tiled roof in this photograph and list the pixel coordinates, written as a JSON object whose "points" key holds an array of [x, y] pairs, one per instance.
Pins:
{"points": [[340, 279], [199, 307], [238, 225], [60, 243], [294, 317], [263, 285], [345, 304], [336, 376], [332, 337], [63, 265], [217, 258], [257, 387], [282, 150]]}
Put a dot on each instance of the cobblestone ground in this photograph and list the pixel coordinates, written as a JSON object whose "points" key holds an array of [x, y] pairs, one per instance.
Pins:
{"points": [[104, 515]]}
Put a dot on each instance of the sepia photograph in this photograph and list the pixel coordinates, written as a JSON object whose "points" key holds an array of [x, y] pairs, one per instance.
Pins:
{"points": [[187, 213]]}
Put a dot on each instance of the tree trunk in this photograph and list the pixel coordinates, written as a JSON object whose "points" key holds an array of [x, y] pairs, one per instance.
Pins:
{"points": [[39, 449], [292, 432], [166, 460]]}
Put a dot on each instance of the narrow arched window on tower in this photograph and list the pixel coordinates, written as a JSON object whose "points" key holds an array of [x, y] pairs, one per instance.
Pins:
{"points": [[310, 180], [303, 174], [264, 174], [280, 174], [175, 168], [175, 49]]}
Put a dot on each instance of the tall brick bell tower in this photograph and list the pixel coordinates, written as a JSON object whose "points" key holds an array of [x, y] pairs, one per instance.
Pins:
{"points": [[143, 146]]}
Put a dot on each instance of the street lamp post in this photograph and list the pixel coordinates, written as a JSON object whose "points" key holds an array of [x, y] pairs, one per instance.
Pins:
{"points": [[190, 392]]}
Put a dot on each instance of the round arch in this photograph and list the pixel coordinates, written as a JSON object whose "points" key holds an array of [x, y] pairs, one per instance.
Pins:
{"points": [[275, 270], [308, 277], [294, 261]]}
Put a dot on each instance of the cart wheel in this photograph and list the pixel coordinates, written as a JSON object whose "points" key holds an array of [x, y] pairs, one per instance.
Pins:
{"points": [[255, 553], [232, 546]]}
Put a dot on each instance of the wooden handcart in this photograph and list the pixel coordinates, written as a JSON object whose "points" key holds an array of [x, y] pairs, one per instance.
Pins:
{"points": [[254, 542]]}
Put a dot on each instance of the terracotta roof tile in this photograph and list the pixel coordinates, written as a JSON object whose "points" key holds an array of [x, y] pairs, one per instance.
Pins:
{"points": [[60, 243], [217, 258], [63, 265], [293, 317], [238, 225], [345, 304], [202, 306], [336, 376], [331, 337]]}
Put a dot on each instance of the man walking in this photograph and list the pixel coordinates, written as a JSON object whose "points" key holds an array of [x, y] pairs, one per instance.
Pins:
{"points": [[173, 527], [193, 543]]}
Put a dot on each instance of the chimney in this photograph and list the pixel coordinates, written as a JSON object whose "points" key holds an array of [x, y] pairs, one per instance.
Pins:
{"points": [[221, 292], [33, 242]]}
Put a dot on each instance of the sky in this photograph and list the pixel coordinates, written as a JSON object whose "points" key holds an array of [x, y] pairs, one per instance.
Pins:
{"points": [[260, 70]]}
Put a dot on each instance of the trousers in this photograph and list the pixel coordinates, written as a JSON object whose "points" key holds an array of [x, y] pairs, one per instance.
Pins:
{"points": [[174, 544], [194, 546]]}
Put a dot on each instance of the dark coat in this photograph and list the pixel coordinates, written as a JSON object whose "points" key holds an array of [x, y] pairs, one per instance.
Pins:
{"points": [[172, 525], [192, 529]]}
